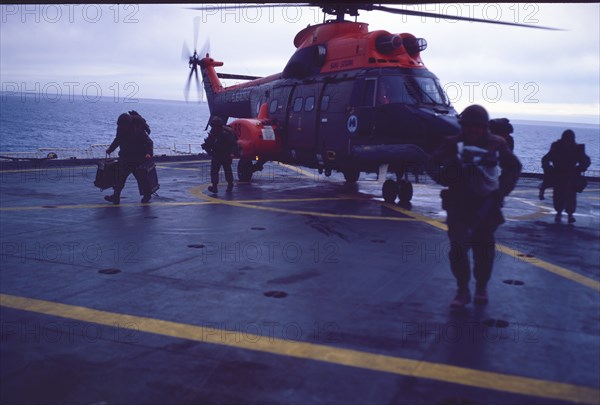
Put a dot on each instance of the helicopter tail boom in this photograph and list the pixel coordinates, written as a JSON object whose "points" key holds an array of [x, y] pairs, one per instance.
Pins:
{"points": [[212, 84]]}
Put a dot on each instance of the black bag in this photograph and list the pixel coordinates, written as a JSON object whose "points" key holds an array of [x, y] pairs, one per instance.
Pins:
{"points": [[148, 178], [107, 174], [580, 183]]}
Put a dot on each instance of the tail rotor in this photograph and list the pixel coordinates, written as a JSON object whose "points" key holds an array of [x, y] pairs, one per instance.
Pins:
{"points": [[194, 60]]}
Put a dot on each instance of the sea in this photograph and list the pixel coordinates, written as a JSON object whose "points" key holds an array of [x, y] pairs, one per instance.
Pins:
{"points": [[77, 127]]}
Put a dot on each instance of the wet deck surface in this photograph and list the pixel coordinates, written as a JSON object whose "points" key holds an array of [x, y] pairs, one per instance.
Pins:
{"points": [[293, 289]]}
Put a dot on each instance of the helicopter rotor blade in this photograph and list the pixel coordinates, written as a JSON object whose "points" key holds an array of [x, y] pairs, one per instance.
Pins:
{"points": [[198, 89], [186, 90], [196, 31], [453, 17], [234, 7], [353, 8], [205, 49], [185, 52]]}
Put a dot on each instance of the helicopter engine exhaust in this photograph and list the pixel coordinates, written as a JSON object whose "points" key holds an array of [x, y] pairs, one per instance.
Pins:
{"points": [[388, 43]]}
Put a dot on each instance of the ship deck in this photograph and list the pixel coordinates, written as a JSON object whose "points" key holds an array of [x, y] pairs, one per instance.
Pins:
{"points": [[293, 289]]}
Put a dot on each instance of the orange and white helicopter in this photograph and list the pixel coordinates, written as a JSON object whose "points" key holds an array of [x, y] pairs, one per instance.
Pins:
{"points": [[348, 100]]}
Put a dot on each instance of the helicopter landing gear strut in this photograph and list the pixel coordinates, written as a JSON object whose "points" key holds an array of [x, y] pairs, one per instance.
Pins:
{"points": [[401, 188], [246, 169]]}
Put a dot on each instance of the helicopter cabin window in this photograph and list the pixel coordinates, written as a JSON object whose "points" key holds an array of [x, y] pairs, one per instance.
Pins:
{"points": [[309, 105], [298, 104], [273, 106], [324, 103], [368, 94]]}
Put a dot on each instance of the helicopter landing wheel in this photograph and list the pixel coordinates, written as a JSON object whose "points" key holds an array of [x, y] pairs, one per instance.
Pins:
{"points": [[389, 191], [351, 175], [405, 190], [245, 170]]}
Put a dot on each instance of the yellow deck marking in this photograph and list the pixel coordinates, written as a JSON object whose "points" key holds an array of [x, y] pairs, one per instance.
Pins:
{"points": [[106, 205], [552, 268], [542, 210], [299, 170], [317, 352], [199, 192]]}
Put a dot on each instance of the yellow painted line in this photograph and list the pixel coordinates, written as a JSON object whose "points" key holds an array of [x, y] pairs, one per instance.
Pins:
{"points": [[46, 169], [287, 200], [163, 165], [199, 192], [552, 268], [542, 210], [193, 169], [310, 351], [301, 171], [105, 205], [422, 218]]}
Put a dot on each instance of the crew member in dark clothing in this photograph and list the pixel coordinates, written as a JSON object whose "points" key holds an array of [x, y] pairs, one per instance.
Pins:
{"points": [[479, 170], [138, 120], [566, 160], [220, 144], [135, 149], [502, 127]]}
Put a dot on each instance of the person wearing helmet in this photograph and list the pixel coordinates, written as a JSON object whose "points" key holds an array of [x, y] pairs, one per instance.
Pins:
{"points": [[564, 164], [502, 127], [140, 121], [221, 145], [135, 148], [479, 171]]}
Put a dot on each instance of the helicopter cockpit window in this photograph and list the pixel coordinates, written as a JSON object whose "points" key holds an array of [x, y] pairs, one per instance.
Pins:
{"points": [[298, 104], [309, 105], [431, 91], [395, 89], [273, 106], [324, 103]]}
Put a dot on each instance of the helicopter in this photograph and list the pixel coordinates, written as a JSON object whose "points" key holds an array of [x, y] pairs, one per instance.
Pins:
{"points": [[348, 99]]}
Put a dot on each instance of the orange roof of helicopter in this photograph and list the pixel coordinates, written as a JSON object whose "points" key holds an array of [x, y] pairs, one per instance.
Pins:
{"points": [[350, 45]]}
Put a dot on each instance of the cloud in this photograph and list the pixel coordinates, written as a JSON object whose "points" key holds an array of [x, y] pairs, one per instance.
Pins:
{"points": [[142, 44]]}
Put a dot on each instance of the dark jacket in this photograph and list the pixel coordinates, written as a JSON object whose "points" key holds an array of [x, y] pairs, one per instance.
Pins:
{"points": [[138, 120], [133, 143], [221, 143], [566, 160], [471, 173]]}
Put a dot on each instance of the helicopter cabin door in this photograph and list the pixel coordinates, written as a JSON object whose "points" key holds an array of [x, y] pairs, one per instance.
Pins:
{"points": [[301, 126], [336, 120]]}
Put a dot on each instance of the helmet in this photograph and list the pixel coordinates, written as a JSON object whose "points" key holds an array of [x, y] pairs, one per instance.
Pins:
{"points": [[474, 114], [568, 136], [124, 119], [216, 122]]}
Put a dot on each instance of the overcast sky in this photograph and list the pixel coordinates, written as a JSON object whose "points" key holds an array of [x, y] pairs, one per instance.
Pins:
{"points": [[135, 51]]}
